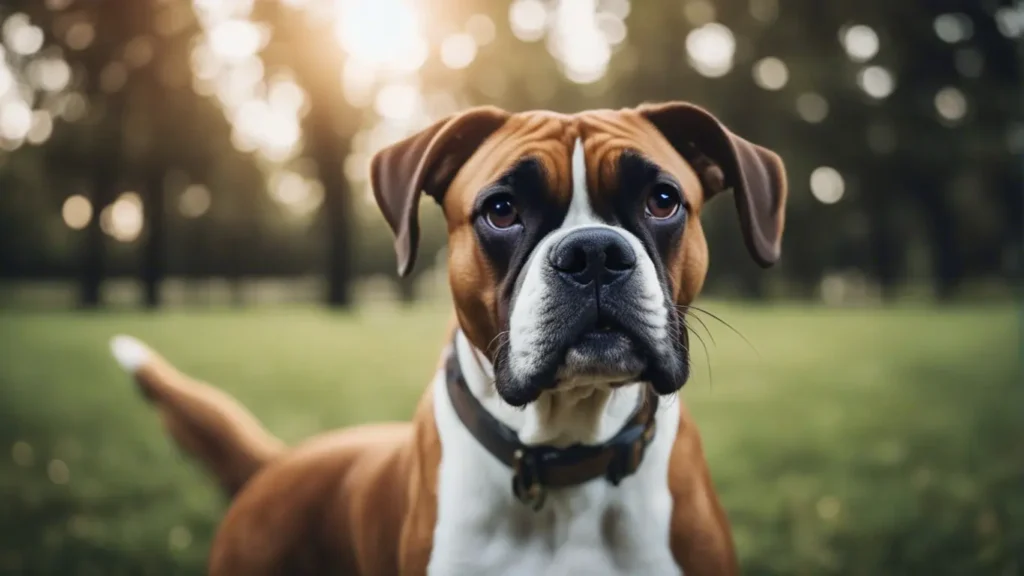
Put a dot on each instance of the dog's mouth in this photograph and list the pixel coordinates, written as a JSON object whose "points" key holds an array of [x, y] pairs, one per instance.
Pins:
{"points": [[586, 345], [606, 353]]}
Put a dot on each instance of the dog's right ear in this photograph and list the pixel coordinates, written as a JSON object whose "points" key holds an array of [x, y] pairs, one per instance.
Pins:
{"points": [[426, 162]]}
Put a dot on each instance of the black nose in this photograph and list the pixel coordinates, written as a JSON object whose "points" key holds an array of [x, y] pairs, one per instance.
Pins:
{"points": [[595, 254]]}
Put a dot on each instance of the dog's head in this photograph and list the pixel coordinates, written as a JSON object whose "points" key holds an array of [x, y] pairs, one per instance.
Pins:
{"points": [[575, 242]]}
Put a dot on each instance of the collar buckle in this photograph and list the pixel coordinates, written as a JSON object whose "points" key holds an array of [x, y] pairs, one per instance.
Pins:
{"points": [[526, 484]]}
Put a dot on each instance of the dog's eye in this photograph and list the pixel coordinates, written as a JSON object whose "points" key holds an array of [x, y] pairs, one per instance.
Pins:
{"points": [[663, 201], [501, 212]]}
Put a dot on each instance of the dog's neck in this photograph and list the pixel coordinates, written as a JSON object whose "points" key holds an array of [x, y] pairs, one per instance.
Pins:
{"points": [[569, 414]]}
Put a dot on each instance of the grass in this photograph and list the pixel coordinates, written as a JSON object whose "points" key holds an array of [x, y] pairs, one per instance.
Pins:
{"points": [[885, 441]]}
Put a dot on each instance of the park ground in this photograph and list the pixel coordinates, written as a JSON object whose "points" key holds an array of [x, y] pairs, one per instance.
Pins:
{"points": [[842, 441]]}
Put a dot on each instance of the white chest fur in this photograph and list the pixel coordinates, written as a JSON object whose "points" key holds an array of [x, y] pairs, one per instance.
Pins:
{"points": [[593, 529]]}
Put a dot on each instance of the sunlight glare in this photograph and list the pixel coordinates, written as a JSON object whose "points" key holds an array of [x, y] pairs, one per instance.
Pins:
{"points": [[386, 34], [398, 102], [286, 95], [15, 120], [236, 40], [458, 51], [357, 83], [577, 42]]}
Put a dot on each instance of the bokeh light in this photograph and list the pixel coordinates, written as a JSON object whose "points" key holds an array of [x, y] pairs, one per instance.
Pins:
{"points": [[613, 27], [481, 28], [236, 40], [123, 219], [22, 454], [951, 104], [113, 77], [711, 49], [699, 12], [578, 43], [298, 194], [771, 73], [876, 82], [764, 11], [139, 51], [860, 42], [58, 472], [80, 35], [953, 28], [458, 51], [398, 101], [528, 19], [386, 34], [812, 107], [195, 201], [1010, 20], [76, 212], [827, 185], [20, 36], [15, 120], [41, 127], [49, 74]]}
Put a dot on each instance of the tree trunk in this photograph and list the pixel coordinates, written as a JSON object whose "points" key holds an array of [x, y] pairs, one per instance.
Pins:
{"points": [[104, 189], [154, 251], [328, 150], [885, 247], [947, 268]]}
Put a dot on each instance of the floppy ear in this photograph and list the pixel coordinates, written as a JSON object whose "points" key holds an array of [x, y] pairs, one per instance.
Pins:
{"points": [[724, 160], [426, 162]]}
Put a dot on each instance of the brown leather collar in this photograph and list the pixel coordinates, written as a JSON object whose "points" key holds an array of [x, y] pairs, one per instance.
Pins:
{"points": [[537, 468]]}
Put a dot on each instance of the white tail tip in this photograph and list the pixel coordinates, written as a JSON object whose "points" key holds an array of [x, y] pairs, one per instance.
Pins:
{"points": [[130, 353]]}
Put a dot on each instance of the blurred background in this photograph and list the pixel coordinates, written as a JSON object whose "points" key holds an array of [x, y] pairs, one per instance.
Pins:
{"points": [[195, 173]]}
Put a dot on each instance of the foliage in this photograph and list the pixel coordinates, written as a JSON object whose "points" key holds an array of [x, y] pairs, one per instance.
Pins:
{"points": [[906, 115]]}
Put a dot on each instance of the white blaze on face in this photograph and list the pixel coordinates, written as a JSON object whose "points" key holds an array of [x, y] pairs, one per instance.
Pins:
{"points": [[532, 303]]}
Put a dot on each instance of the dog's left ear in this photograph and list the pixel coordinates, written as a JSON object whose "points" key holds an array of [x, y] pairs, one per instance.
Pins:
{"points": [[724, 160], [426, 162]]}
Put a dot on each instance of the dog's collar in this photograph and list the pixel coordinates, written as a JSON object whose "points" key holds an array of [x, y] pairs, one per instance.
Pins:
{"points": [[537, 468]]}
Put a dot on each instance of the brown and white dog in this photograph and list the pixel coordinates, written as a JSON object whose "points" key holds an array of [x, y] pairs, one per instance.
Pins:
{"points": [[575, 246]]}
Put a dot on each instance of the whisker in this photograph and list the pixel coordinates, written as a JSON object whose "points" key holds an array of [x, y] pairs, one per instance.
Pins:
{"points": [[500, 335], [724, 323], [707, 357], [706, 329]]}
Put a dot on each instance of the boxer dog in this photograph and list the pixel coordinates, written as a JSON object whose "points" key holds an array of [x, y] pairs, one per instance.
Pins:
{"points": [[546, 443]]}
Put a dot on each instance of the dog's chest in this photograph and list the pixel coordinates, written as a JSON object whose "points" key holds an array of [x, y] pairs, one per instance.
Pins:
{"points": [[585, 530], [594, 529]]}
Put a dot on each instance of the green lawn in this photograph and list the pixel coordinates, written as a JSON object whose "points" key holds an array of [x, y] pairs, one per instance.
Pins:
{"points": [[851, 441]]}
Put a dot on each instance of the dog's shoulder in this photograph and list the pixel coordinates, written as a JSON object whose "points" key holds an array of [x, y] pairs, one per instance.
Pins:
{"points": [[700, 536]]}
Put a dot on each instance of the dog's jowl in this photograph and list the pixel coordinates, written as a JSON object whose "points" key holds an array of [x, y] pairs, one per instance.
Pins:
{"points": [[544, 443]]}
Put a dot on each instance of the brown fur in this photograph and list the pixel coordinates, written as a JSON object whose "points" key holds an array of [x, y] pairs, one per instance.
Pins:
{"points": [[364, 500]]}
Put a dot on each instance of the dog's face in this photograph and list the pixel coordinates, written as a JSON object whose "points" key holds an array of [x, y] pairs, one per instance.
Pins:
{"points": [[575, 241]]}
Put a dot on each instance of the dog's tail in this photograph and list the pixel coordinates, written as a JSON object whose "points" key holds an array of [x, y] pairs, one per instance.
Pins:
{"points": [[206, 422]]}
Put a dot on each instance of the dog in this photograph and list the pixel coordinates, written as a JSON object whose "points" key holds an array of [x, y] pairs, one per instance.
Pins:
{"points": [[551, 439]]}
